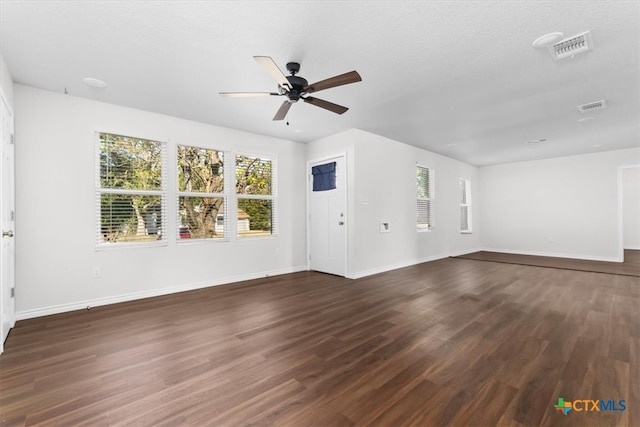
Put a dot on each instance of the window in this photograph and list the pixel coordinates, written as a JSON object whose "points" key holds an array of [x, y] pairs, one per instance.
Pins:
{"points": [[424, 189], [256, 196], [130, 190], [465, 205], [201, 193]]}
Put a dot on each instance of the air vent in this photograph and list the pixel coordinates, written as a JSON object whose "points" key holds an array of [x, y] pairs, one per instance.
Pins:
{"points": [[592, 106], [571, 46]]}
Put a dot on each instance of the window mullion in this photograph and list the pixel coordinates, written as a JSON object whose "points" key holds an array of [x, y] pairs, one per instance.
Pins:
{"points": [[196, 194], [131, 192], [256, 197]]}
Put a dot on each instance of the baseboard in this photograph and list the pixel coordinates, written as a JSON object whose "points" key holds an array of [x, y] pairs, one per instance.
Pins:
{"points": [[465, 252], [633, 248], [82, 305], [390, 267], [554, 255]]}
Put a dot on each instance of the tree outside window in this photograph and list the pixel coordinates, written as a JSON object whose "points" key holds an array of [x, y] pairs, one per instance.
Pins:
{"points": [[131, 190], [255, 196], [201, 193]]}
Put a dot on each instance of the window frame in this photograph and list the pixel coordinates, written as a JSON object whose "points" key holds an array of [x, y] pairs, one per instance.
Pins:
{"points": [[224, 196], [273, 197], [465, 202], [429, 199], [100, 243]]}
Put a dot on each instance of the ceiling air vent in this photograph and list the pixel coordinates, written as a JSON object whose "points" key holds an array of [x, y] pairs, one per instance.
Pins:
{"points": [[571, 46], [592, 106]]}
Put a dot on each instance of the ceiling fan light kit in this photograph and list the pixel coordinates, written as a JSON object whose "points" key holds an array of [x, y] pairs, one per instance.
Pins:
{"points": [[296, 88]]}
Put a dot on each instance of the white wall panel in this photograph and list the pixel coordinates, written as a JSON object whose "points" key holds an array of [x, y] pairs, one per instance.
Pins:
{"points": [[566, 206]]}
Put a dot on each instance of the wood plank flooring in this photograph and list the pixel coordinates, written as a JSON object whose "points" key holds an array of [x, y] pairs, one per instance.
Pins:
{"points": [[630, 266], [453, 342]]}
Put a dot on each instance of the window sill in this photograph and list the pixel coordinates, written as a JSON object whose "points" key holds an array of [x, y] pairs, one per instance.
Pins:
{"points": [[257, 237], [119, 246], [201, 241]]}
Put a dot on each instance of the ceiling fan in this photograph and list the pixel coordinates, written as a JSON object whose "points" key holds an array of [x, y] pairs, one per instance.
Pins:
{"points": [[296, 88]]}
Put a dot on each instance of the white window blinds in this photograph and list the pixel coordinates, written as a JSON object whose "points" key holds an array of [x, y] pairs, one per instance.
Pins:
{"points": [[130, 190], [424, 189]]}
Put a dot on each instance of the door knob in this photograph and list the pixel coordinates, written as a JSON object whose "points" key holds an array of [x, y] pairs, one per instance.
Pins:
{"points": [[340, 222], [7, 233]]}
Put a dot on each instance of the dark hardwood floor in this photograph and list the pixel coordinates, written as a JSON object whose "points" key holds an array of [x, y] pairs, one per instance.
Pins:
{"points": [[453, 342], [630, 266]]}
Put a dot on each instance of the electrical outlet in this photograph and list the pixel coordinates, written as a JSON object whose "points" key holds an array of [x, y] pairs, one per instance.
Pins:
{"points": [[97, 272]]}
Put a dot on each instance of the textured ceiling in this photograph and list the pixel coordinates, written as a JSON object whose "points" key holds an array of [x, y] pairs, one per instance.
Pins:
{"points": [[458, 78]]}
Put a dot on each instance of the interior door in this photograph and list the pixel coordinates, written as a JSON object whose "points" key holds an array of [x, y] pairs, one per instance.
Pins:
{"points": [[328, 221], [7, 253]]}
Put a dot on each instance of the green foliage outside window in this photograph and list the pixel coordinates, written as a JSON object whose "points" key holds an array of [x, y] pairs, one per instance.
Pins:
{"points": [[254, 176], [131, 193], [200, 170], [130, 164]]}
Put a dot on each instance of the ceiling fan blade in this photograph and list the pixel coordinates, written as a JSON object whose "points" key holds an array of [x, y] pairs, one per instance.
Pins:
{"points": [[338, 109], [282, 111], [247, 94], [342, 79], [270, 67]]}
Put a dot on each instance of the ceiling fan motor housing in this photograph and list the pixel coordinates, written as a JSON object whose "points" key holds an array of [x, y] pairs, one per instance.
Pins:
{"points": [[297, 87]]}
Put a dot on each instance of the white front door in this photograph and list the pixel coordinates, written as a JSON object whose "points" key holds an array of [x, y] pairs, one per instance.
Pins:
{"points": [[328, 221], [7, 254]]}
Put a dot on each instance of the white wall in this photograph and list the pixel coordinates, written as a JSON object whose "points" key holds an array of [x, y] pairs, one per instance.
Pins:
{"points": [[631, 208], [566, 207], [6, 83], [382, 186], [55, 209]]}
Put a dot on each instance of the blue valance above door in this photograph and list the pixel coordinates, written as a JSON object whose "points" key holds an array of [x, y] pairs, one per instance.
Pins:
{"points": [[324, 177]]}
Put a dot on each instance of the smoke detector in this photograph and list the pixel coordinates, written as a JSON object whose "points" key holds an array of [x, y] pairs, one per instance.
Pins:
{"points": [[547, 40], [598, 105], [571, 46], [90, 81]]}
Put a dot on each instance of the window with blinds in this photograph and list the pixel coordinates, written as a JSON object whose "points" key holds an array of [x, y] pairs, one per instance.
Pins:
{"points": [[424, 189], [465, 205], [256, 196], [201, 194], [130, 190]]}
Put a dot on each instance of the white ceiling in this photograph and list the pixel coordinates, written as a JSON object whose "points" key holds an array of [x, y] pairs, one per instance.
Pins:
{"points": [[459, 78]]}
